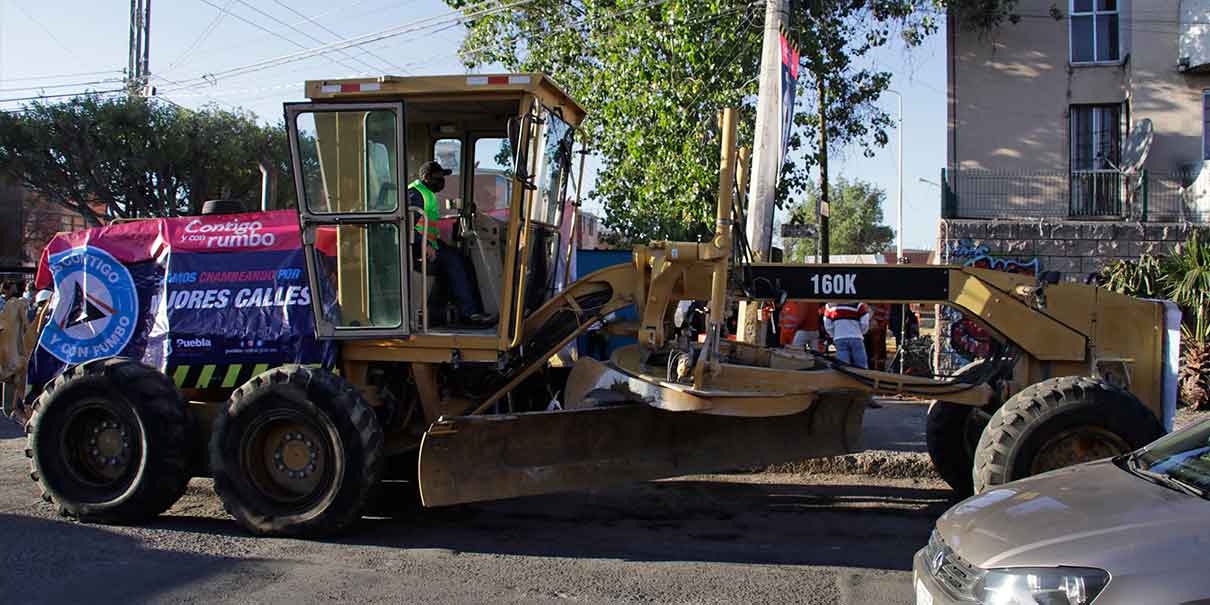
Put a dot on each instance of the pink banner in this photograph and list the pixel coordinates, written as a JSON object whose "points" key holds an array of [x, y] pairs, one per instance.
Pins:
{"points": [[146, 239]]}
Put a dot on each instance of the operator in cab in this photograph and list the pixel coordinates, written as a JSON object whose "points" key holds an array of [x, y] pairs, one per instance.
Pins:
{"points": [[446, 263]]}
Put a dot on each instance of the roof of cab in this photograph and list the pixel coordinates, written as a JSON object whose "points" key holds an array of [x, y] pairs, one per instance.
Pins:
{"points": [[419, 87]]}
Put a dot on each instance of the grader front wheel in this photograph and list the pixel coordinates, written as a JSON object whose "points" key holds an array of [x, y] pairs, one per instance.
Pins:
{"points": [[952, 432], [1057, 423]]}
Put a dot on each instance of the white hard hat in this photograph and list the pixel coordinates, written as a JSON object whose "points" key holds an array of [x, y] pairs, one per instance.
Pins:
{"points": [[42, 295]]}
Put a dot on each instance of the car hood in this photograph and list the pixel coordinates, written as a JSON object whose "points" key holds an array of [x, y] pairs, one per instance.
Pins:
{"points": [[1091, 515]]}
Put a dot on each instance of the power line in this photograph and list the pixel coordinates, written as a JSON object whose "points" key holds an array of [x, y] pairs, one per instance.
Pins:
{"points": [[269, 31], [70, 94], [307, 35], [201, 37], [329, 30], [419, 24], [72, 85], [59, 76], [45, 29]]}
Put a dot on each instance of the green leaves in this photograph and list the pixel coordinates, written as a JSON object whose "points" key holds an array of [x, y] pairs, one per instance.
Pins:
{"points": [[1183, 277], [123, 158], [855, 223], [654, 73]]}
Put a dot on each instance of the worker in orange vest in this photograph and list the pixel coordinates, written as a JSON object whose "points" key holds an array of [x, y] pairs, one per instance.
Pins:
{"points": [[800, 325]]}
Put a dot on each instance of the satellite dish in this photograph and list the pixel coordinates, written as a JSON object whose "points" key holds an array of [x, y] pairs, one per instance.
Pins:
{"points": [[1136, 146]]}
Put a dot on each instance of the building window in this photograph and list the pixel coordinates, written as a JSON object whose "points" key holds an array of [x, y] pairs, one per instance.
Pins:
{"points": [[1206, 124], [1096, 147], [1094, 31]]}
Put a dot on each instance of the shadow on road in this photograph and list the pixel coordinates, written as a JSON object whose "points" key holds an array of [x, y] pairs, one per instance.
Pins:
{"points": [[47, 561], [9, 429], [684, 520]]}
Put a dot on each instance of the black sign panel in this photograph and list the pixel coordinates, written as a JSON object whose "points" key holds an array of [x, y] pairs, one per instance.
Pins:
{"points": [[889, 283]]}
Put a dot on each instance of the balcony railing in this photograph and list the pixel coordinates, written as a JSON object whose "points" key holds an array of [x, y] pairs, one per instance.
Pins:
{"points": [[1177, 196]]}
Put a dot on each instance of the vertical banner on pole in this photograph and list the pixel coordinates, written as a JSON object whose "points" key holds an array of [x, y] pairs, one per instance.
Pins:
{"points": [[789, 88]]}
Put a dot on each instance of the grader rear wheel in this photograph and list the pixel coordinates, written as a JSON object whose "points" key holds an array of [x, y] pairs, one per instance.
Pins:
{"points": [[1057, 423], [296, 453]]}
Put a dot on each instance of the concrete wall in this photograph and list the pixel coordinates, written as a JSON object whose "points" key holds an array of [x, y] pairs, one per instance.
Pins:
{"points": [[1010, 91], [1073, 248]]}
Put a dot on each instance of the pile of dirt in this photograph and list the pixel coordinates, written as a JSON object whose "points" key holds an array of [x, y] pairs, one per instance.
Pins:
{"points": [[873, 463]]}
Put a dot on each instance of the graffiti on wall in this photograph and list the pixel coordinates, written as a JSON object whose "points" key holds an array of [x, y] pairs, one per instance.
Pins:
{"points": [[962, 340]]}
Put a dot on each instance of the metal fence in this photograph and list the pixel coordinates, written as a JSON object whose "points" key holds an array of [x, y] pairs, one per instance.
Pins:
{"points": [[1176, 196]]}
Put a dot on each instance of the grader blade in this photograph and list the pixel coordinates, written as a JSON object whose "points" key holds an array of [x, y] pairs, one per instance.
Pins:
{"points": [[476, 458]]}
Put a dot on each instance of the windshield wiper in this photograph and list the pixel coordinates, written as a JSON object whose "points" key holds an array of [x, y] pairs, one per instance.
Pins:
{"points": [[1164, 479]]}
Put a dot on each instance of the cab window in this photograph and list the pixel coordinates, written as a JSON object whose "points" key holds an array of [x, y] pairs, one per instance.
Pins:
{"points": [[493, 176], [348, 164], [348, 161], [554, 162], [448, 153]]}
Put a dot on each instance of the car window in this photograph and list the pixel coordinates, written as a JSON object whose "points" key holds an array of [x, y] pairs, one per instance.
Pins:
{"points": [[1183, 455]]}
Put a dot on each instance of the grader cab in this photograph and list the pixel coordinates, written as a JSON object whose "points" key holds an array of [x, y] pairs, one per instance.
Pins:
{"points": [[475, 413]]}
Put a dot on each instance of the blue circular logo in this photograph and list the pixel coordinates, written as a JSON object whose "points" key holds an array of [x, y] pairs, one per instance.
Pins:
{"points": [[95, 306]]}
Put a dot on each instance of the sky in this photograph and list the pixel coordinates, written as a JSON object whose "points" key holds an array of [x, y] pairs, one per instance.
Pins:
{"points": [[69, 46]]}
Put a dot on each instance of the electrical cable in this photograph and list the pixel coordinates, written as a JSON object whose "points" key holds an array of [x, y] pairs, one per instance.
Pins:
{"points": [[59, 76], [59, 96], [329, 30], [420, 24], [269, 31], [72, 85], [201, 37], [295, 29]]}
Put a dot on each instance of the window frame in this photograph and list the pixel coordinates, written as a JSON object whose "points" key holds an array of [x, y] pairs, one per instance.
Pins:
{"points": [[1205, 123], [1072, 13], [310, 221], [1103, 175], [473, 161]]}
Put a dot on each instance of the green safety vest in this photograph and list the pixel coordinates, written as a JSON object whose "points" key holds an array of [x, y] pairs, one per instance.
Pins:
{"points": [[431, 211]]}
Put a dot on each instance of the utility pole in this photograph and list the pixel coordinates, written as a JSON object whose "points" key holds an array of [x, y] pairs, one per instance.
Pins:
{"points": [[766, 158], [138, 62], [821, 208], [899, 214]]}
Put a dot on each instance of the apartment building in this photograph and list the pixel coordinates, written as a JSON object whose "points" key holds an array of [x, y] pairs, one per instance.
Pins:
{"points": [[1040, 111]]}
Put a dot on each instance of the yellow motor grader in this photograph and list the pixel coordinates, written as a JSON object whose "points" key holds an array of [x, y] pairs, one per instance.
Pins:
{"points": [[480, 413]]}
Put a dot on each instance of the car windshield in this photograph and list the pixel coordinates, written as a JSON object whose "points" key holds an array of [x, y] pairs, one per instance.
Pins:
{"points": [[1183, 455]]}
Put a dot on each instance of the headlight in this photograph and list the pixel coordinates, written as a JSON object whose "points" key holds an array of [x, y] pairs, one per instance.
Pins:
{"points": [[1041, 586]]}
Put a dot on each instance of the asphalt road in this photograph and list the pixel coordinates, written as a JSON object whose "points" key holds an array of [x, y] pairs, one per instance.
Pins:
{"points": [[774, 538]]}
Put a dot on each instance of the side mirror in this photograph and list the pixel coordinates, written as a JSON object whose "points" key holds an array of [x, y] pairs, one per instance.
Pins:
{"points": [[453, 204]]}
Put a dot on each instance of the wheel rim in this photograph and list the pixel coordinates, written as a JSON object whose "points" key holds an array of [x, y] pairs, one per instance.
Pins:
{"points": [[288, 457], [100, 444], [1077, 445]]}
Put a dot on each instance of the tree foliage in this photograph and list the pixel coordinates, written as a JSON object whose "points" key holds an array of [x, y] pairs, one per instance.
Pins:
{"points": [[855, 221], [138, 157], [654, 73]]}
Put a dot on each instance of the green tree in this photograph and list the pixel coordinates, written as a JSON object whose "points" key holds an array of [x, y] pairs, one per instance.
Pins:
{"points": [[855, 221], [654, 73], [139, 157]]}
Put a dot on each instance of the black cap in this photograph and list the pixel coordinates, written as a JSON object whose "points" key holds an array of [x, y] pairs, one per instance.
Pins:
{"points": [[432, 168]]}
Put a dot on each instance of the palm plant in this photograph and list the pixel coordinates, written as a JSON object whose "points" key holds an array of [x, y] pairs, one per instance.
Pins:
{"points": [[1186, 280], [1183, 278], [1141, 278]]}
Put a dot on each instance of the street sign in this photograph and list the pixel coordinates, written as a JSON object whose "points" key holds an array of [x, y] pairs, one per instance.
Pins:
{"points": [[810, 230]]}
